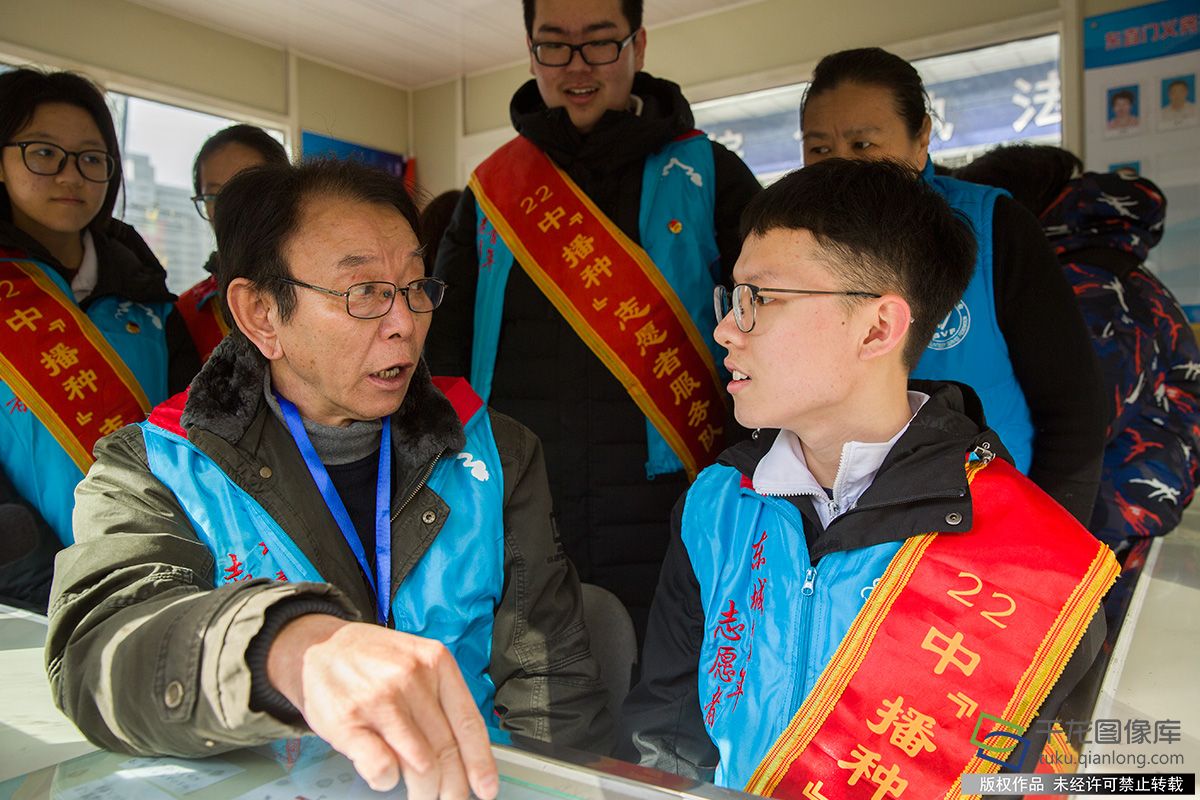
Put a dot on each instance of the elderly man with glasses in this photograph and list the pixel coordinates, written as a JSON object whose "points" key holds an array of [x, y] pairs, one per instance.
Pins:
{"points": [[581, 262], [315, 475]]}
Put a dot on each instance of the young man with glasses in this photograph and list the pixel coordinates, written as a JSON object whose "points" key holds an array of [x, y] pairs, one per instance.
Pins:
{"points": [[313, 475], [871, 551], [580, 265]]}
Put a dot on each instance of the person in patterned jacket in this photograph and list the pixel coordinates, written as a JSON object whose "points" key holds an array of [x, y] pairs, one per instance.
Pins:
{"points": [[1102, 226]]}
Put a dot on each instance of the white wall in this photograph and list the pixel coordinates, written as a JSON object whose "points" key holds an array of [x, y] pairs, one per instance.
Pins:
{"points": [[135, 49]]}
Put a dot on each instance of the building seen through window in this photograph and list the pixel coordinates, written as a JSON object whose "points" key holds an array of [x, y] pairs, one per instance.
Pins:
{"points": [[979, 99], [158, 143]]}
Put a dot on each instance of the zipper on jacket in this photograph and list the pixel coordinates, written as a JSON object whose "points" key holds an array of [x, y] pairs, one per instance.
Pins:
{"points": [[835, 508], [416, 489], [810, 580], [799, 665]]}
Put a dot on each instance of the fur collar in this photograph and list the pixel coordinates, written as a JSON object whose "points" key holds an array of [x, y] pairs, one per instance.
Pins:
{"points": [[227, 394]]}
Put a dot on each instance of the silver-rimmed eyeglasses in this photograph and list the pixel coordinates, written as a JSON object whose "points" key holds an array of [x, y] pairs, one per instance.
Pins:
{"points": [[374, 299], [47, 158], [597, 53], [744, 299]]}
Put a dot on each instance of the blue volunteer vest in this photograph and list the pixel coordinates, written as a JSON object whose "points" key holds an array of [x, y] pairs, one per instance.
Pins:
{"points": [[772, 621], [678, 187], [42, 472], [450, 595], [968, 345]]}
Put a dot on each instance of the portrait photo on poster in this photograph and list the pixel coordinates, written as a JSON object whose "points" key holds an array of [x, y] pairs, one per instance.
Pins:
{"points": [[1177, 104], [1129, 169], [1123, 110]]}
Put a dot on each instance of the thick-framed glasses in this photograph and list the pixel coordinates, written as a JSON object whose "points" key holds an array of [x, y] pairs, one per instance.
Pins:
{"points": [[47, 158], [374, 299], [744, 299], [597, 53], [203, 202]]}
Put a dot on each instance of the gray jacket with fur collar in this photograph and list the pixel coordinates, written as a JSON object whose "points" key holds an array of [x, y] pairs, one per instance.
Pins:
{"points": [[145, 656]]}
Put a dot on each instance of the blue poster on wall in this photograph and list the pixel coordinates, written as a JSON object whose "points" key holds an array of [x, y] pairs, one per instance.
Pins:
{"points": [[314, 145], [1141, 67], [1158, 30]]}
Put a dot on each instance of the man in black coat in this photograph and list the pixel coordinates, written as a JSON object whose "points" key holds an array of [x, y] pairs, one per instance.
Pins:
{"points": [[611, 129]]}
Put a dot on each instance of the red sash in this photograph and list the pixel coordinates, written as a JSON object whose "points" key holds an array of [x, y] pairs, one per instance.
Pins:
{"points": [[963, 634], [611, 294], [201, 312], [60, 365]]}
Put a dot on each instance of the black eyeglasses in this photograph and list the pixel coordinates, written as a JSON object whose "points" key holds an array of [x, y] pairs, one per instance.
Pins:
{"points": [[374, 299], [597, 53], [744, 298], [46, 158], [203, 202]]}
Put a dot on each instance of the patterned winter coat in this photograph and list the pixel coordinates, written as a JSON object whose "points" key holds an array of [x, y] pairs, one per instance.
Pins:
{"points": [[1102, 227]]}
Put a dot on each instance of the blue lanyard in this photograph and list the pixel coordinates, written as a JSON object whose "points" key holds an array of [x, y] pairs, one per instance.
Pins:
{"points": [[382, 584]]}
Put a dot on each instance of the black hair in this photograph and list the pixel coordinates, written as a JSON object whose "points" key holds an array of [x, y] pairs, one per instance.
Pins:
{"points": [[435, 218], [873, 66], [255, 138], [1034, 174], [1177, 82], [1122, 94], [260, 210], [23, 90], [881, 230], [631, 9]]}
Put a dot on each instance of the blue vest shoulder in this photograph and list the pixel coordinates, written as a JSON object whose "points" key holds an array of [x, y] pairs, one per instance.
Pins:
{"points": [[437, 599], [772, 619], [968, 345]]}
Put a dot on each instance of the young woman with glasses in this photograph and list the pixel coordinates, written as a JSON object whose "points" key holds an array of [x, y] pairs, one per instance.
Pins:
{"points": [[88, 340], [225, 154]]}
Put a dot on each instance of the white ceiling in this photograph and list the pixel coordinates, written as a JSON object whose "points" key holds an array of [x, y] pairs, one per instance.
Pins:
{"points": [[411, 43]]}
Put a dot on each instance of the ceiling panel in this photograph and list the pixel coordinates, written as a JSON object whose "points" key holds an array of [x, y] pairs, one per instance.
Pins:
{"points": [[407, 42]]}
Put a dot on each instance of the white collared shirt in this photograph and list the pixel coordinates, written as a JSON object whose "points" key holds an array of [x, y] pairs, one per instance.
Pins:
{"points": [[784, 472], [88, 273]]}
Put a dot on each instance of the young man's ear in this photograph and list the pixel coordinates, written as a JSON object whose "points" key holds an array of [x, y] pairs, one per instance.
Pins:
{"points": [[255, 314], [639, 49], [888, 323]]}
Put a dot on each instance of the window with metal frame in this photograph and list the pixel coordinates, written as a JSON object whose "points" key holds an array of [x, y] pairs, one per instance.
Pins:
{"points": [[159, 141], [979, 99]]}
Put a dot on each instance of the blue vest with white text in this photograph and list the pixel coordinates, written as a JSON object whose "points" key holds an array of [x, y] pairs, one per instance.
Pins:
{"points": [[678, 188], [42, 472], [452, 593], [968, 345], [772, 621]]}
